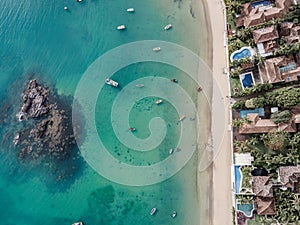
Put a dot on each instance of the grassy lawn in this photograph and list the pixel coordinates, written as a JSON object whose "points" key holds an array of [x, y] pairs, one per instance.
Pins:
{"points": [[246, 182], [261, 148], [235, 83], [231, 20], [256, 221]]}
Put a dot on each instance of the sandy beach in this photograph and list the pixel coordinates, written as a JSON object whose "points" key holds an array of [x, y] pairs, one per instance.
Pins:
{"points": [[221, 196]]}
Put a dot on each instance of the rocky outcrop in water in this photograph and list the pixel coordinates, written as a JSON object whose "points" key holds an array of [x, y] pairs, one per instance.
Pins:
{"points": [[35, 100], [48, 129]]}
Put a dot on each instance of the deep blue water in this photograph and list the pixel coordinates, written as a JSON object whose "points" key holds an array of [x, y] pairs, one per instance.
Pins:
{"points": [[237, 175], [247, 80], [39, 39]]}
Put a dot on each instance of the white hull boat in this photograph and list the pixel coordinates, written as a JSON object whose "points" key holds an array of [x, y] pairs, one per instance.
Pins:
{"points": [[167, 27], [121, 27], [158, 101], [111, 82], [153, 211], [182, 117], [77, 223], [130, 10], [156, 49], [174, 214], [140, 85]]}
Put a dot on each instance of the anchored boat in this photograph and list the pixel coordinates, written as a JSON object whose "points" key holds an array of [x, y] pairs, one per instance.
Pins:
{"points": [[167, 27], [182, 117], [156, 49], [130, 10], [153, 211], [121, 27], [77, 223], [111, 82], [158, 101], [174, 214]]}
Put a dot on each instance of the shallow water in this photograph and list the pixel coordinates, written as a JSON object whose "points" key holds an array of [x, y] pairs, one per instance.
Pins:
{"points": [[39, 39]]}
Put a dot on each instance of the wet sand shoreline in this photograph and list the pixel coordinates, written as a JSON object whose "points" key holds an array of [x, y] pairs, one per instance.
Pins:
{"points": [[220, 193]]}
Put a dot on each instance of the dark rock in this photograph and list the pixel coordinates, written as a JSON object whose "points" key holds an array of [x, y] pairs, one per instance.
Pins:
{"points": [[35, 100], [49, 132]]}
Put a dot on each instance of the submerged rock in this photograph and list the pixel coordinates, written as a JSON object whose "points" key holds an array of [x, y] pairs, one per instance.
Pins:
{"points": [[35, 100], [48, 130]]}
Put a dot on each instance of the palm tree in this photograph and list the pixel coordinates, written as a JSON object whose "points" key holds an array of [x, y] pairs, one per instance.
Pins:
{"points": [[253, 141]]}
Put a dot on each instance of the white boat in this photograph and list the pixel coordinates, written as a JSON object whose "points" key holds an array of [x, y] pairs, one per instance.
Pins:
{"points": [[153, 211], [167, 27], [77, 223], [121, 27], [171, 151], [174, 214], [130, 10], [158, 101], [140, 85], [111, 82], [182, 117], [156, 49]]}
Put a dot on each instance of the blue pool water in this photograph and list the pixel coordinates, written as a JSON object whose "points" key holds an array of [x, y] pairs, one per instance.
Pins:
{"points": [[247, 80], [260, 3], [237, 177], [260, 111], [245, 208], [242, 54]]}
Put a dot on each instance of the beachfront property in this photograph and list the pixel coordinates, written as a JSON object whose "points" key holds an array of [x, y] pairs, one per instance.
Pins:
{"points": [[266, 40], [280, 69], [264, 27], [256, 13], [257, 125]]}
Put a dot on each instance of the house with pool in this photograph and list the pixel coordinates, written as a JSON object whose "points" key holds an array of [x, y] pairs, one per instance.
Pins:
{"points": [[259, 12], [266, 40], [280, 69], [247, 78]]}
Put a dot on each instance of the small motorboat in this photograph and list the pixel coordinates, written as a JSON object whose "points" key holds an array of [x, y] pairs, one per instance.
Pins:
{"points": [[121, 27], [111, 82], [171, 151], [130, 10], [156, 49], [182, 117], [174, 80], [140, 85], [78, 223], [132, 129], [66, 8], [174, 214], [199, 88], [153, 211], [167, 27], [158, 101]]}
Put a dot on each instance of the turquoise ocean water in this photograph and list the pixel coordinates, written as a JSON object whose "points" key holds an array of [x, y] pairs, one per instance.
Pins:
{"points": [[40, 39]]}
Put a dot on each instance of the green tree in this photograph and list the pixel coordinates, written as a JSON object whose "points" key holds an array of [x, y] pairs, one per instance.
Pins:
{"points": [[249, 104], [281, 117], [275, 140], [239, 104]]}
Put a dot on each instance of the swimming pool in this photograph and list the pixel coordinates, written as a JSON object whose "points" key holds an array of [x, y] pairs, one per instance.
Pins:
{"points": [[260, 111], [247, 80], [260, 3], [247, 209], [237, 178], [244, 52]]}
